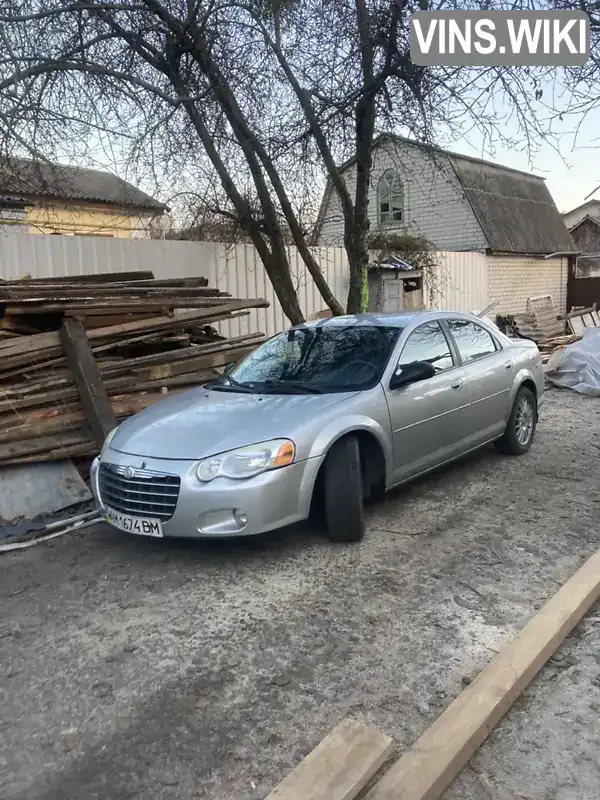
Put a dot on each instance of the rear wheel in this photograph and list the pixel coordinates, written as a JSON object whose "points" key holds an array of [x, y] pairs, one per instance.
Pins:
{"points": [[343, 492], [520, 430]]}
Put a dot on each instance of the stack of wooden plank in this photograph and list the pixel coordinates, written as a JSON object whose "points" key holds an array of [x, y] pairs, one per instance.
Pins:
{"points": [[557, 343], [540, 324], [124, 334]]}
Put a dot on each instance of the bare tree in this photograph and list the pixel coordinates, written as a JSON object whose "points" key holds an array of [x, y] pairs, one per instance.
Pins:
{"points": [[150, 76], [246, 102]]}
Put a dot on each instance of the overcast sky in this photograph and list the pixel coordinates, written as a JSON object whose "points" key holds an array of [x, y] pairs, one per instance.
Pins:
{"points": [[571, 174]]}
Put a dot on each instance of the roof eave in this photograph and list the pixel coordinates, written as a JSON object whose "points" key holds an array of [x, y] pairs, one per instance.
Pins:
{"points": [[35, 198]]}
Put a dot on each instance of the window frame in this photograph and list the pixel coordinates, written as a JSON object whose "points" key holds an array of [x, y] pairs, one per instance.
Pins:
{"points": [[445, 323], [390, 192], [456, 362]]}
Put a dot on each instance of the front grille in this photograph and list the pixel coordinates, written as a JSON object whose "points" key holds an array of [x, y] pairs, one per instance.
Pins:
{"points": [[143, 494]]}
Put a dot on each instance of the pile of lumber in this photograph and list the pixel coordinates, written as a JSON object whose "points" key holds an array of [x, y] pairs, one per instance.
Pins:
{"points": [[79, 354], [557, 343], [542, 324]]}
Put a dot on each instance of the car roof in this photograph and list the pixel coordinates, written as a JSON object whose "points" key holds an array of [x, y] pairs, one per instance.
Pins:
{"points": [[394, 319]]}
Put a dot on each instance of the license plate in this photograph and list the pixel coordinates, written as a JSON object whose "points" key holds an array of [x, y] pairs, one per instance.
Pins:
{"points": [[144, 526]]}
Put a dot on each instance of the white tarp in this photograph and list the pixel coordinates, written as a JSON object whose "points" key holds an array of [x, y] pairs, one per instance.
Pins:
{"points": [[577, 366]]}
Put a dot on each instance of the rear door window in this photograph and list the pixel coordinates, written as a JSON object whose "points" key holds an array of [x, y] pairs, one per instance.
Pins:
{"points": [[473, 341]]}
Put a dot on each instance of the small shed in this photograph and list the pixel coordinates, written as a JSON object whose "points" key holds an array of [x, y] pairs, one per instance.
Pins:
{"points": [[394, 285]]}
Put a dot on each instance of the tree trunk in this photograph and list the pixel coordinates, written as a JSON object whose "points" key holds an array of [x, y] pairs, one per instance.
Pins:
{"points": [[275, 259], [358, 295]]}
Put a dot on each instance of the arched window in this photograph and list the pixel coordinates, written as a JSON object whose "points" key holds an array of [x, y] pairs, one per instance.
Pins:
{"points": [[390, 198]]}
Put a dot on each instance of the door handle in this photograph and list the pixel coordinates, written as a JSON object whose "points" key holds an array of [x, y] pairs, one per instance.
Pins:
{"points": [[509, 365], [456, 385]]}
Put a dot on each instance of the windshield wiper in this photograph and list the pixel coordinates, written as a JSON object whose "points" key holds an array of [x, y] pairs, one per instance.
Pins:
{"points": [[231, 386], [294, 386]]}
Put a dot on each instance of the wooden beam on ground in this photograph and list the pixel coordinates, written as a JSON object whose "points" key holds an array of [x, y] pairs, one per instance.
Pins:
{"points": [[94, 397], [437, 757], [339, 767]]}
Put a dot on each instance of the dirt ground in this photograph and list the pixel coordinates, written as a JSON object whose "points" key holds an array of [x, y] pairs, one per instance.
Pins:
{"points": [[160, 670]]}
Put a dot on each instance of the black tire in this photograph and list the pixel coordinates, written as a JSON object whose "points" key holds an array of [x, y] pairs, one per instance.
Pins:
{"points": [[514, 442], [343, 492]]}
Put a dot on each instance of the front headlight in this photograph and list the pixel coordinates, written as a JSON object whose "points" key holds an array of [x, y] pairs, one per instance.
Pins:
{"points": [[246, 462]]}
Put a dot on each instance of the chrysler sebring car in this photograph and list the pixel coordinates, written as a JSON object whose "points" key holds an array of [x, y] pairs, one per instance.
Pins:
{"points": [[317, 420]]}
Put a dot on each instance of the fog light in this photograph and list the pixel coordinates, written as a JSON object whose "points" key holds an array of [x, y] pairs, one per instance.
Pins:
{"points": [[240, 517], [222, 522]]}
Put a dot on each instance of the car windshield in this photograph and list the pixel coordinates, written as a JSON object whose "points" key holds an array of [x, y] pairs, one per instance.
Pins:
{"points": [[336, 356]]}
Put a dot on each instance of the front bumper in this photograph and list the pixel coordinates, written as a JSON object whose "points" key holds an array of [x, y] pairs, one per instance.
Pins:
{"points": [[271, 500]]}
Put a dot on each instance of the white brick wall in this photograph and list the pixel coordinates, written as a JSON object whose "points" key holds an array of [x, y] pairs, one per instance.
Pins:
{"points": [[435, 206], [512, 279]]}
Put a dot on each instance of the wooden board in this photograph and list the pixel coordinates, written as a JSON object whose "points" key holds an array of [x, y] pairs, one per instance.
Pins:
{"points": [[576, 325], [437, 757], [180, 367], [589, 320], [101, 277], [339, 767], [41, 444], [41, 346], [87, 449], [117, 305], [216, 346], [101, 291], [49, 422], [94, 397]]}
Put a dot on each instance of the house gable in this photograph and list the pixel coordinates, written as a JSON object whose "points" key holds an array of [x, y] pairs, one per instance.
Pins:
{"points": [[586, 235], [434, 206], [589, 209], [457, 202]]}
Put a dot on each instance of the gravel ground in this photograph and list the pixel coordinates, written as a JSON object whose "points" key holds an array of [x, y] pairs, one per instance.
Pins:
{"points": [[157, 670]]}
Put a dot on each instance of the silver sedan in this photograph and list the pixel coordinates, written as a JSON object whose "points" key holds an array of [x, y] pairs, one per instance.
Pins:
{"points": [[315, 421]]}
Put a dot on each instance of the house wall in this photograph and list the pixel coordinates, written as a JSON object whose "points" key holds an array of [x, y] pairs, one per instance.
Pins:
{"points": [[86, 219], [512, 279], [13, 220], [434, 203], [587, 239]]}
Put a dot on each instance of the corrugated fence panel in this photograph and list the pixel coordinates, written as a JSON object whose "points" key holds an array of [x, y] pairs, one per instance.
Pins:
{"points": [[461, 283]]}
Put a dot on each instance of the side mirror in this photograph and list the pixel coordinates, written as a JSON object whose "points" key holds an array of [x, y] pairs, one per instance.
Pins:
{"points": [[411, 373]]}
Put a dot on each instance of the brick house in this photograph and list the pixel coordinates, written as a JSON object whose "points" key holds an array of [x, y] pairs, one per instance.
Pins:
{"points": [[40, 197], [461, 203]]}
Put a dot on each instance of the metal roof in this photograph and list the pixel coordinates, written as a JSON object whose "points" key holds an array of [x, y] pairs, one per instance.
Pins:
{"points": [[516, 211], [26, 178]]}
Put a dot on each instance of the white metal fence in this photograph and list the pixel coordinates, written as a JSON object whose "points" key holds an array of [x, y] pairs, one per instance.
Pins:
{"points": [[462, 282]]}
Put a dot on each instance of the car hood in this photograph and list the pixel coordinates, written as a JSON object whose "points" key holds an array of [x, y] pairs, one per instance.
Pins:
{"points": [[199, 423]]}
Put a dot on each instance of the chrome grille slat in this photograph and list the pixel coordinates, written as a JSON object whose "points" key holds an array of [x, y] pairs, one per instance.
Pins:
{"points": [[145, 494], [123, 486]]}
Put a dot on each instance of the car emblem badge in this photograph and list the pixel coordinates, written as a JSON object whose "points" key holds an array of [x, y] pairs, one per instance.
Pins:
{"points": [[129, 472]]}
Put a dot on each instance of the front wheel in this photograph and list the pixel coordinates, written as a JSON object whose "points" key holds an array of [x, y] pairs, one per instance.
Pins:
{"points": [[343, 490], [520, 430]]}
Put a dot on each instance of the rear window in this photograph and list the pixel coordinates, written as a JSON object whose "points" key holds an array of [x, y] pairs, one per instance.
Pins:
{"points": [[473, 341]]}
